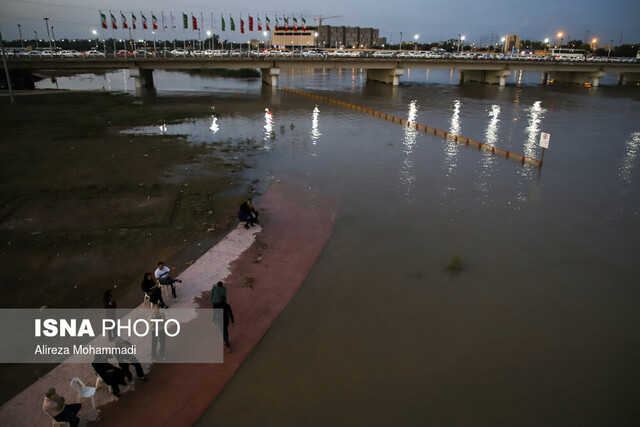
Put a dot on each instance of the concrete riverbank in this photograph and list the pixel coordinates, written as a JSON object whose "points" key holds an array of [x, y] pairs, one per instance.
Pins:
{"points": [[262, 269]]}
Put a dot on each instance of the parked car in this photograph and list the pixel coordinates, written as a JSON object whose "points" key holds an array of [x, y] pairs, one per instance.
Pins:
{"points": [[142, 53], [94, 54], [165, 53], [124, 54], [30, 54], [179, 53]]}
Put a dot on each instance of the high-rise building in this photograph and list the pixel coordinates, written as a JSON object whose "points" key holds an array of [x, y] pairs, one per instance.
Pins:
{"points": [[511, 42]]}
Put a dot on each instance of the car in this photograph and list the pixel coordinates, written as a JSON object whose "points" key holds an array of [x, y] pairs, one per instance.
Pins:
{"points": [[197, 53], [142, 53], [47, 54], [179, 53], [164, 54], [30, 54], [208, 53], [383, 54], [236, 53], [94, 54], [124, 54], [67, 54]]}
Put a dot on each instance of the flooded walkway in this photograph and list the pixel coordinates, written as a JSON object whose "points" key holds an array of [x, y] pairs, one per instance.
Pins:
{"points": [[261, 276]]}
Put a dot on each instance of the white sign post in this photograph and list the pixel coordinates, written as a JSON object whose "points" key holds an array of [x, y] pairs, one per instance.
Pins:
{"points": [[544, 143]]}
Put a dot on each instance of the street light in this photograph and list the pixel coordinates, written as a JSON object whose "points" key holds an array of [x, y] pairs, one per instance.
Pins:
{"points": [[400, 48], [461, 37], [210, 42], [503, 45], [315, 39], [416, 38], [46, 20], [560, 36], [20, 31], [53, 35], [36, 33], [546, 45]]}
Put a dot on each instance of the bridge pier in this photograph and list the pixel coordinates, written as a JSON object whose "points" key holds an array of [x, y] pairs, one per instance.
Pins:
{"points": [[545, 78], [485, 76], [143, 79], [577, 77], [629, 78], [270, 76], [388, 76]]}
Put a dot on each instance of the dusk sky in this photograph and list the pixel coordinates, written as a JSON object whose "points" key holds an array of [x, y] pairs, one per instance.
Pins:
{"points": [[479, 21]]}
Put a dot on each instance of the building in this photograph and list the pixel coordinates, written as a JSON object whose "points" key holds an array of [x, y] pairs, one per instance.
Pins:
{"points": [[347, 37], [290, 38], [511, 43]]}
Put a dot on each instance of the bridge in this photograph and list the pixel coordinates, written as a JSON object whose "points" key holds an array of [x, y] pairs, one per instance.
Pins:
{"points": [[385, 70]]}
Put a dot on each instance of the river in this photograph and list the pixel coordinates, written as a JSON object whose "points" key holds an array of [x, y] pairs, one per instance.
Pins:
{"points": [[540, 327]]}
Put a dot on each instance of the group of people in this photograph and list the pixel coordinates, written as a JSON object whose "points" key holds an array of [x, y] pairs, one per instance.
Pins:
{"points": [[115, 376]]}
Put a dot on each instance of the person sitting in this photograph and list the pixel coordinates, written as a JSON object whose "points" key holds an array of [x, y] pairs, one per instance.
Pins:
{"points": [[111, 375], [125, 360], [150, 287], [54, 405], [162, 274], [248, 214]]}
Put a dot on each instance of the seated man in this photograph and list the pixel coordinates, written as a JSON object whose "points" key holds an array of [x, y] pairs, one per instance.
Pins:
{"points": [[124, 360], [111, 375], [248, 214], [150, 287], [162, 274], [54, 405]]}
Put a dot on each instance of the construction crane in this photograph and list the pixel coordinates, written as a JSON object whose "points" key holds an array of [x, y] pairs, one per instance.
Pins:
{"points": [[320, 18]]}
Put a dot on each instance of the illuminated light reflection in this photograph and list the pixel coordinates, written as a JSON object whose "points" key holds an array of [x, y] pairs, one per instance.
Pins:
{"points": [[451, 147], [491, 137], [163, 128], [628, 162], [409, 141], [268, 124], [536, 114], [214, 125], [315, 132]]}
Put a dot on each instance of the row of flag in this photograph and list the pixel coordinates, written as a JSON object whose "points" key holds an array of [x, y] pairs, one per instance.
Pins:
{"points": [[194, 22]]}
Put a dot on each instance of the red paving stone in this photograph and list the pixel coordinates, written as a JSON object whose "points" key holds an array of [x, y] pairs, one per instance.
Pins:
{"points": [[296, 226]]}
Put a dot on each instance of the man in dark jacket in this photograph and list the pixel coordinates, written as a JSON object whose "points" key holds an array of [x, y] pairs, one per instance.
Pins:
{"points": [[226, 315], [111, 375]]}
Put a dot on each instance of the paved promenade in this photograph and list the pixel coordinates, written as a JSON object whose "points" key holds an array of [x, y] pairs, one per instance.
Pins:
{"points": [[262, 269]]}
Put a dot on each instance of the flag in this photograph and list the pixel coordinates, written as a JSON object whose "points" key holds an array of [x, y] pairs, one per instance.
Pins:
{"points": [[259, 24], [250, 23], [268, 22], [295, 24], [144, 21], [155, 21], [233, 24], [304, 23], [133, 20], [222, 19], [113, 21], [185, 21], [277, 23], [241, 25], [103, 20], [124, 20], [194, 22], [286, 23]]}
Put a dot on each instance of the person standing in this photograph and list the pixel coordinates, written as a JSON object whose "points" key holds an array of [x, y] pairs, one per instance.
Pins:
{"points": [[162, 274], [218, 291], [150, 287], [157, 332], [110, 312], [55, 406], [226, 315]]}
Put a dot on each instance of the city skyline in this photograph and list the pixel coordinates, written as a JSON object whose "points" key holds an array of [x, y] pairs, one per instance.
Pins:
{"points": [[481, 23]]}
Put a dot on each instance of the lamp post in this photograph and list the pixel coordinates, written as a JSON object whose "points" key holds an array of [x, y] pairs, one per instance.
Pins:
{"points": [[95, 35], [504, 47], [21, 40], [594, 44], [36, 33], [53, 36], [416, 38], [461, 37], [46, 20], [315, 39], [400, 48], [560, 36], [546, 45]]}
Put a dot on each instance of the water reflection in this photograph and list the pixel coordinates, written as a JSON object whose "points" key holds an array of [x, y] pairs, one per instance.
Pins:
{"points": [[214, 124], [488, 159], [628, 162], [451, 147], [268, 125], [409, 141], [536, 114], [315, 132]]}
